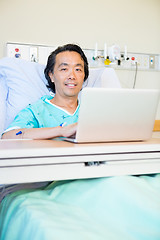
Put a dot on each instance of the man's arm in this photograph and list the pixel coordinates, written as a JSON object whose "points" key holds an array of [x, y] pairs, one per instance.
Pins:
{"points": [[41, 133]]}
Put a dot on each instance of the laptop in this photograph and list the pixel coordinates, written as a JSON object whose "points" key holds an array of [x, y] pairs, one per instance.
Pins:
{"points": [[114, 115]]}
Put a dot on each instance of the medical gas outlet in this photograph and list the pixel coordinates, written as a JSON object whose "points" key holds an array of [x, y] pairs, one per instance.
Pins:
{"points": [[110, 55]]}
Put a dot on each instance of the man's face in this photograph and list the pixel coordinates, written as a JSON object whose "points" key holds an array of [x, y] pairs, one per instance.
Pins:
{"points": [[68, 75]]}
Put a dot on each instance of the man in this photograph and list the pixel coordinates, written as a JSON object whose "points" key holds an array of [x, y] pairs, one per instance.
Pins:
{"points": [[50, 117]]}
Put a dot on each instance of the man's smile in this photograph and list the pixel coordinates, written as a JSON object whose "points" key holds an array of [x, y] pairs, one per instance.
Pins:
{"points": [[71, 85]]}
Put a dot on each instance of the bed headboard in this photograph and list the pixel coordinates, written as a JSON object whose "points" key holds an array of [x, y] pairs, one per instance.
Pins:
{"points": [[23, 82]]}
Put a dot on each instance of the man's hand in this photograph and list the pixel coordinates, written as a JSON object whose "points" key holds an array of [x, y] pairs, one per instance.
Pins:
{"points": [[68, 131]]}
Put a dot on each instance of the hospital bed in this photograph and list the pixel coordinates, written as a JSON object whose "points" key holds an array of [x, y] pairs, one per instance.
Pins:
{"points": [[95, 207]]}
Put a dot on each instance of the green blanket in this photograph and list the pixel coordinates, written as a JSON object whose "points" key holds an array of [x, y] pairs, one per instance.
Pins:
{"points": [[112, 208]]}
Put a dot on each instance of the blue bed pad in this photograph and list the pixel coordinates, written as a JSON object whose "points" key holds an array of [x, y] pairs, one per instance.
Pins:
{"points": [[112, 208]]}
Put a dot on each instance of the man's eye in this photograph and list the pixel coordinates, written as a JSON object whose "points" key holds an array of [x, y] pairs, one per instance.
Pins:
{"points": [[63, 69], [78, 69]]}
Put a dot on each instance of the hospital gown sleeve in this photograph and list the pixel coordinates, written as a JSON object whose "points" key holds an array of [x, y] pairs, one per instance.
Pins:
{"points": [[25, 119]]}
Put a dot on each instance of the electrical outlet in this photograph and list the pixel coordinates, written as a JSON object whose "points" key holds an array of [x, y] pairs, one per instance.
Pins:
{"points": [[33, 54], [139, 60], [151, 61], [146, 61]]}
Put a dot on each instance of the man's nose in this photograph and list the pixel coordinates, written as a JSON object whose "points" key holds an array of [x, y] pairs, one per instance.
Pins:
{"points": [[72, 74]]}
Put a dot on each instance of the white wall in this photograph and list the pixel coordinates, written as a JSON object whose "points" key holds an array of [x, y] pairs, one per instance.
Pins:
{"points": [[53, 22], [135, 23]]}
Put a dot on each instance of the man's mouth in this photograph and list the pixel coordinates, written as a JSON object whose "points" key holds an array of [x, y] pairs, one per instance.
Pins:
{"points": [[71, 85]]}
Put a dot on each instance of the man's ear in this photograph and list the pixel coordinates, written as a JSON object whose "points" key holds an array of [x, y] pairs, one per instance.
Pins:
{"points": [[51, 76]]}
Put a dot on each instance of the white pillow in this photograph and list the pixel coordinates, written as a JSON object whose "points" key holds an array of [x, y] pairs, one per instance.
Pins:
{"points": [[3, 97], [102, 77], [24, 83]]}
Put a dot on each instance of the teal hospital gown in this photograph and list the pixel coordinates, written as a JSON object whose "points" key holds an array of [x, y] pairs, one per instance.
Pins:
{"points": [[43, 114]]}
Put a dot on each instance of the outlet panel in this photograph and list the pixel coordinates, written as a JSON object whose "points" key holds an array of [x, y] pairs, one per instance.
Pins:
{"points": [[40, 53]]}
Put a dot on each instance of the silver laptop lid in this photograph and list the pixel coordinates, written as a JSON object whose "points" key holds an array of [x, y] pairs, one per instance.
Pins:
{"points": [[108, 115]]}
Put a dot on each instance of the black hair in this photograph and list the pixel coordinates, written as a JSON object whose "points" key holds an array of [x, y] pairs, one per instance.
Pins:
{"points": [[52, 60]]}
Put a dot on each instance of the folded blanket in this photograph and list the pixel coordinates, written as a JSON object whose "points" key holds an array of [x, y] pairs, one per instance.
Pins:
{"points": [[8, 189]]}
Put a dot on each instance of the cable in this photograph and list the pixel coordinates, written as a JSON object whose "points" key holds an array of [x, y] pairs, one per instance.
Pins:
{"points": [[135, 77]]}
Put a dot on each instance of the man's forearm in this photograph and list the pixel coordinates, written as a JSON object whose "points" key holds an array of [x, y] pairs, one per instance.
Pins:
{"points": [[33, 133]]}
